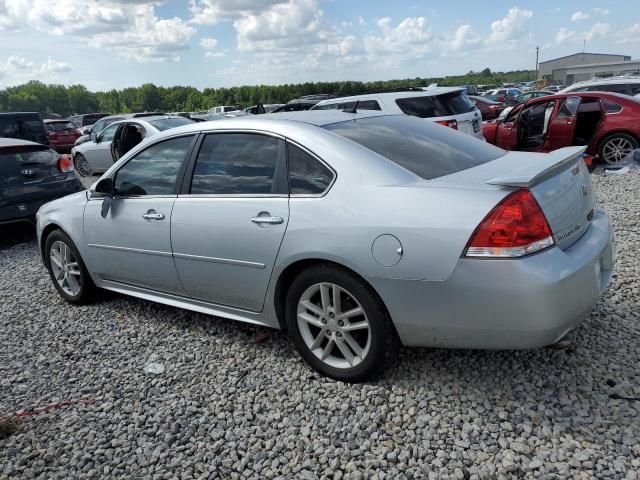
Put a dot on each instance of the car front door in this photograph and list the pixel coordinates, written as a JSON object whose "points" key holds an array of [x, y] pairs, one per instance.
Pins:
{"points": [[562, 126], [507, 130], [98, 152], [132, 243], [230, 218]]}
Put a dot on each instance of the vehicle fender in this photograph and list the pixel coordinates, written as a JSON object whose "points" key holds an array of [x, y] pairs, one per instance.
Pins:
{"points": [[66, 213]]}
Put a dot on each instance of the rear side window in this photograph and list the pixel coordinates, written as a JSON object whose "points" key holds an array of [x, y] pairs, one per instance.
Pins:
{"points": [[611, 107], [240, 164], [307, 176], [154, 170], [424, 148], [454, 103]]}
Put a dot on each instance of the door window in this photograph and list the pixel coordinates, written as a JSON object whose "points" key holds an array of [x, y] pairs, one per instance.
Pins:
{"points": [[240, 164], [154, 170], [307, 176], [107, 134], [569, 107]]}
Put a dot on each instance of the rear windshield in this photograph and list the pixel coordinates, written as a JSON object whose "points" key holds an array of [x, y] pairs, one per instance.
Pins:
{"points": [[24, 127], [58, 126], [424, 148], [14, 158], [92, 118], [167, 123], [453, 103]]}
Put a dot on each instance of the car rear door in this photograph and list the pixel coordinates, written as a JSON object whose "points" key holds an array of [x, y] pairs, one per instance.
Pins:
{"points": [[132, 243], [228, 223], [562, 126]]}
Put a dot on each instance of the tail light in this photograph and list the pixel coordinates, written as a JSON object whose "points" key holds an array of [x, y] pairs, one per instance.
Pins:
{"points": [[449, 123], [65, 164], [514, 228]]}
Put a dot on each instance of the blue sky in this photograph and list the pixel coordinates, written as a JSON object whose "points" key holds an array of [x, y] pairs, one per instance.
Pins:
{"points": [[213, 43]]}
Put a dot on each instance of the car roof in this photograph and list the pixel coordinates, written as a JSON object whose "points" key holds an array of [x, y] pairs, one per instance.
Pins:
{"points": [[18, 142], [606, 81], [606, 95], [394, 95]]}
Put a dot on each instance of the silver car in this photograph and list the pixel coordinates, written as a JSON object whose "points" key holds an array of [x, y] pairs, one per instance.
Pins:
{"points": [[98, 154], [355, 232]]}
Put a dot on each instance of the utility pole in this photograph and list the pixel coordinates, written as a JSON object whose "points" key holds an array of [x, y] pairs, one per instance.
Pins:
{"points": [[537, 52]]}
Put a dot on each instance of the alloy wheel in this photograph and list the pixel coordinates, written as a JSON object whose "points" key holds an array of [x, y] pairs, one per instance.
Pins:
{"points": [[65, 267], [333, 325], [82, 166], [616, 149]]}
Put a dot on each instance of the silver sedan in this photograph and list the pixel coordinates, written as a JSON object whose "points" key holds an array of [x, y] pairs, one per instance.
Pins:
{"points": [[355, 232]]}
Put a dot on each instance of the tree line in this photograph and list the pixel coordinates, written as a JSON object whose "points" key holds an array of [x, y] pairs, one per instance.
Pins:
{"points": [[36, 96]]}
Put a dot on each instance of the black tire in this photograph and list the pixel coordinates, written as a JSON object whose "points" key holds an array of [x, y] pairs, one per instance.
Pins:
{"points": [[87, 288], [384, 341], [615, 137], [83, 171]]}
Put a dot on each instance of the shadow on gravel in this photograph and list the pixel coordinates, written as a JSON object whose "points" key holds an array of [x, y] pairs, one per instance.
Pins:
{"points": [[15, 233]]}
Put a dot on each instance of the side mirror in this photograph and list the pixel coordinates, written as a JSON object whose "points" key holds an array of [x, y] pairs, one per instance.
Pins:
{"points": [[94, 137], [106, 187], [86, 131]]}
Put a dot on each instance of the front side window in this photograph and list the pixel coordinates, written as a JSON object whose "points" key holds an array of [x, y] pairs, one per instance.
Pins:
{"points": [[307, 176], [240, 164], [569, 107], [154, 170], [107, 134]]}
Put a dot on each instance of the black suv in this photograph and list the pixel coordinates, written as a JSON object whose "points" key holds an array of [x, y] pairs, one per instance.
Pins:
{"points": [[24, 125]]}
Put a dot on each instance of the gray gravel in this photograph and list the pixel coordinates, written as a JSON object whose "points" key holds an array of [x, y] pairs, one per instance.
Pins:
{"points": [[235, 401]]}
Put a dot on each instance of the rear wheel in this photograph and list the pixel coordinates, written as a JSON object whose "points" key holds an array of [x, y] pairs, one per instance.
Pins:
{"points": [[82, 165], [339, 325], [614, 148], [66, 269]]}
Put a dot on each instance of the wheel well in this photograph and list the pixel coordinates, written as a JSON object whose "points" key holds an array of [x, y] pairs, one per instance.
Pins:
{"points": [[291, 272], [43, 238]]}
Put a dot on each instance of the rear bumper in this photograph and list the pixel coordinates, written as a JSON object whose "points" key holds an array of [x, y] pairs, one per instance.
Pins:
{"points": [[505, 304], [22, 207]]}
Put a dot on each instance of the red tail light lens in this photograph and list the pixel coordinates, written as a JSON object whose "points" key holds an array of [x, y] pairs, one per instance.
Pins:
{"points": [[514, 228], [65, 164], [448, 123]]}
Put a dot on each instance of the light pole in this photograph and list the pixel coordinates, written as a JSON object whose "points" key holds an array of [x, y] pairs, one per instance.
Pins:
{"points": [[537, 52]]}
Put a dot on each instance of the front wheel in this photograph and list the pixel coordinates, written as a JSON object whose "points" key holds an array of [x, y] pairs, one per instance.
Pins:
{"points": [[339, 325], [614, 148], [67, 270], [82, 165]]}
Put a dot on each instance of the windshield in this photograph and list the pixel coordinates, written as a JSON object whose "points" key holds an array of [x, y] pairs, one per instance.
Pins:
{"points": [[424, 148], [58, 126], [454, 103], [167, 123], [230, 109]]}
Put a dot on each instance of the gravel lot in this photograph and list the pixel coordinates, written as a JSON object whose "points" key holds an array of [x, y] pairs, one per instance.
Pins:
{"points": [[235, 401]]}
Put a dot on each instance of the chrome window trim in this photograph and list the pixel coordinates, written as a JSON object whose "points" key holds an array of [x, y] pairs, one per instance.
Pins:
{"points": [[317, 158], [232, 195], [132, 197]]}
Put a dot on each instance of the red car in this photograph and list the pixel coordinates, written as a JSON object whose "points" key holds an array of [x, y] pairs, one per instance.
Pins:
{"points": [[62, 134], [607, 123], [490, 109]]}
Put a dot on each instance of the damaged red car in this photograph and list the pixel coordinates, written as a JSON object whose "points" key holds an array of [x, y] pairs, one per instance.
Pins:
{"points": [[607, 123]]}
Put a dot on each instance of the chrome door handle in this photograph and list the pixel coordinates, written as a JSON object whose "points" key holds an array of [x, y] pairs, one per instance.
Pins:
{"points": [[270, 220], [153, 216]]}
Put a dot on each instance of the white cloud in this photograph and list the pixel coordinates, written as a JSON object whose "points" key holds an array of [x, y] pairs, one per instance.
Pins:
{"points": [[215, 54], [283, 27], [208, 43], [597, 31], [602, 11], [412, 37], [54, 66], [129, 27], [210, 12], [362, 22], [514, 26], [580, 16], [565, 36], [464, 39], [19, 63], [631, 34]]}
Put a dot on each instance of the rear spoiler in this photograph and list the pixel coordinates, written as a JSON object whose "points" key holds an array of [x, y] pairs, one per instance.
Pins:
{"points": [[539, 170]]}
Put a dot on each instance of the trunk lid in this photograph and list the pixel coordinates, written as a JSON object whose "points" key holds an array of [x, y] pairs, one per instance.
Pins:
{"points": [[559, 181]]}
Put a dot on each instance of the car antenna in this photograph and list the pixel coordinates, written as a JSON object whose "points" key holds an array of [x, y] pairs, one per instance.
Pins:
{"points": [[352, 110]]}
